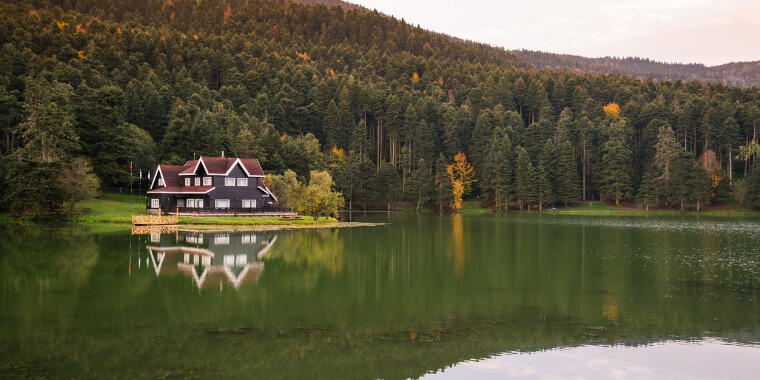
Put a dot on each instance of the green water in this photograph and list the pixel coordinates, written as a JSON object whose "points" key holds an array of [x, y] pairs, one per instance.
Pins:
{"points": [[421, 295]]}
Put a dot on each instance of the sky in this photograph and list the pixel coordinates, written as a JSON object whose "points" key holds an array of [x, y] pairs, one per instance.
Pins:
{"points": [[711, 32]]}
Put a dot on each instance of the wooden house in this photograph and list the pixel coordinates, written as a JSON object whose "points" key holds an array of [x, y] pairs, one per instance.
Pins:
{"points": [[221, 185]]}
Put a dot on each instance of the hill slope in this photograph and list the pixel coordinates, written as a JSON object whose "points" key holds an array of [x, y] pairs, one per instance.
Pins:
{"points": [[743, 74], [166, 80]]}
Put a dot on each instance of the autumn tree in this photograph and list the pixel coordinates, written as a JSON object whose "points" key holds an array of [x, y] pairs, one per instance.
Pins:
{"points": [[462, 177]]}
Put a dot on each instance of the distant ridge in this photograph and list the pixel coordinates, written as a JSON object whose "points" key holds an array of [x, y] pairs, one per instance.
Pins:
{"points": [[743, 74]]}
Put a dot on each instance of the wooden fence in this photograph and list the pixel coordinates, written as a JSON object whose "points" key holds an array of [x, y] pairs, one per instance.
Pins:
{"points": [[154, 220]]}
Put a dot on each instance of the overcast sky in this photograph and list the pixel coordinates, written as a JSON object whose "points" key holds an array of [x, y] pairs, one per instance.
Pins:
{"points": [[702, 31]]}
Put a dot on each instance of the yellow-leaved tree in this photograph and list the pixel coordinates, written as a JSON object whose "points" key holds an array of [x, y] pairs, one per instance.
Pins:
{"points": [[612, 110], [462, 177]]}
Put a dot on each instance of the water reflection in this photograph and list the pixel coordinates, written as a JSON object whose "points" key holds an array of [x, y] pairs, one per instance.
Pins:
{"points": [[394, 301], [234, 258]]}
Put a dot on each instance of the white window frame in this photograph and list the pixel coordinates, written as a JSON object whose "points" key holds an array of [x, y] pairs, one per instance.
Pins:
{"points": [[154, 203], [187, 181], [207, 181], [221, 203], [181, 203], [222, 239], [229, 181], [161, 181], [190, 203], [242, 182], [249, 203], [197, 181], [199, 203]]}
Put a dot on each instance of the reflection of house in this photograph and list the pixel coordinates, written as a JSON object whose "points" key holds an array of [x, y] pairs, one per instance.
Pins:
{"points": [[210, 258]]}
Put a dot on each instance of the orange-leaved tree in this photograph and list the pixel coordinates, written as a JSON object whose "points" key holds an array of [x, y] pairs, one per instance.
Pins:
{"points": [[462, 177], [612, 110]]}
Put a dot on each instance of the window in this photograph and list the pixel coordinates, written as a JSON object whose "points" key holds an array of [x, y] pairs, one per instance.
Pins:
{"points": [[222, 203], [155, 237], [249, 203], [161, 181], [247, 239], [197, 181], [207, 181], [242, 181], [187, 181], [180, 203], [229, 182], [194, 203], [222, 239], [154, 203]]}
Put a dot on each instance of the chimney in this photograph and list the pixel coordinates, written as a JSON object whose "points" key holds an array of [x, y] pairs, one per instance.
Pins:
{"points": [[222, 153]]}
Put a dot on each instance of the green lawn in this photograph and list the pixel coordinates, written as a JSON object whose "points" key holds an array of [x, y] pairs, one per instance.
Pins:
{"points": [[119, 208], [601, 208]]}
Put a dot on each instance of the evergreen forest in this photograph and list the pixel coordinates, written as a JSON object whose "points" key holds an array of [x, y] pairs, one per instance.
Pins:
{"points": [[393, 112]]}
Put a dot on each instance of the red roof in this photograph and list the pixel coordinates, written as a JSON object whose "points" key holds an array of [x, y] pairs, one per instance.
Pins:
{"points": [[171, 174], [252, 165], [214, 166], [182, 190], [220, 165]]}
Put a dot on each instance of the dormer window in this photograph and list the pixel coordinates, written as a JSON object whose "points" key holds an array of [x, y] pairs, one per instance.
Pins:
{"points": [[161, 182], [207, 181], [197, 181], [242, 181], [187, 181]]}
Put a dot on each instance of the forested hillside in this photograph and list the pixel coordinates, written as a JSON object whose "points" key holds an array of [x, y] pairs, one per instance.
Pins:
{"points": [[743, 74], [383, 105]]}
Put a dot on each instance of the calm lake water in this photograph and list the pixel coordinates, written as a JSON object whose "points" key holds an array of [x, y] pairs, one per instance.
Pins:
{"points": [[454, 296]]}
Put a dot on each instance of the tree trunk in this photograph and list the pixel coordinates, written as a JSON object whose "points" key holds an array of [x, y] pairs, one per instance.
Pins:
{"points": [[646, 206], [730, 170], [697, 206], [682, 204]]}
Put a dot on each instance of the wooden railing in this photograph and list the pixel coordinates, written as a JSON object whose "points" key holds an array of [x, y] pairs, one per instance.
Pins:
{"points": [[154, 220]]}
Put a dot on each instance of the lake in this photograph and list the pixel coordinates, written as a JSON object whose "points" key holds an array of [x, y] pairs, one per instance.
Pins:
{"points": [[462, 296]]}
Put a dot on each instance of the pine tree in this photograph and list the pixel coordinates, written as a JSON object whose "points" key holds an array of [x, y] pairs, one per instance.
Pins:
{"points": [[48, 131], [499, 169], [647, 194], [420, 184], [567, 174], [549, 160], [524, 174], [544, 193], [701, 185], [616, 161], [443, 186]]}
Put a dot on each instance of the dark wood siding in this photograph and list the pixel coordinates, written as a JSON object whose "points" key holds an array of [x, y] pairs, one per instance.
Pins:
{"points": [[236, 194]]}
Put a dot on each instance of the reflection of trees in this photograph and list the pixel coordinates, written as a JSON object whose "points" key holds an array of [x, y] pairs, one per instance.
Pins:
{"points": [[46, 259], [318, 249], [387, 301]]}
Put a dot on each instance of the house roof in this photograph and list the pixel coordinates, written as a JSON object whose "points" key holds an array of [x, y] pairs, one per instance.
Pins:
{"points": [[222, 166], [182, 190]]}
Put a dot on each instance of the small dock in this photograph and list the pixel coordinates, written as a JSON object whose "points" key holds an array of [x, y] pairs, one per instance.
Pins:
{"points": [[155, 220]]}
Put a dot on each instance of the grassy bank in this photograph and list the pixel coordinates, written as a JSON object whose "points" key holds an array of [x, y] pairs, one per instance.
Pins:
{"points": [[602, 209], [119, 208]]}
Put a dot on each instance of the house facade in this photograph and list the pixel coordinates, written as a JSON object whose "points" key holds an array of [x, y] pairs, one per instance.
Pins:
{"points": [[210, 184]]}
